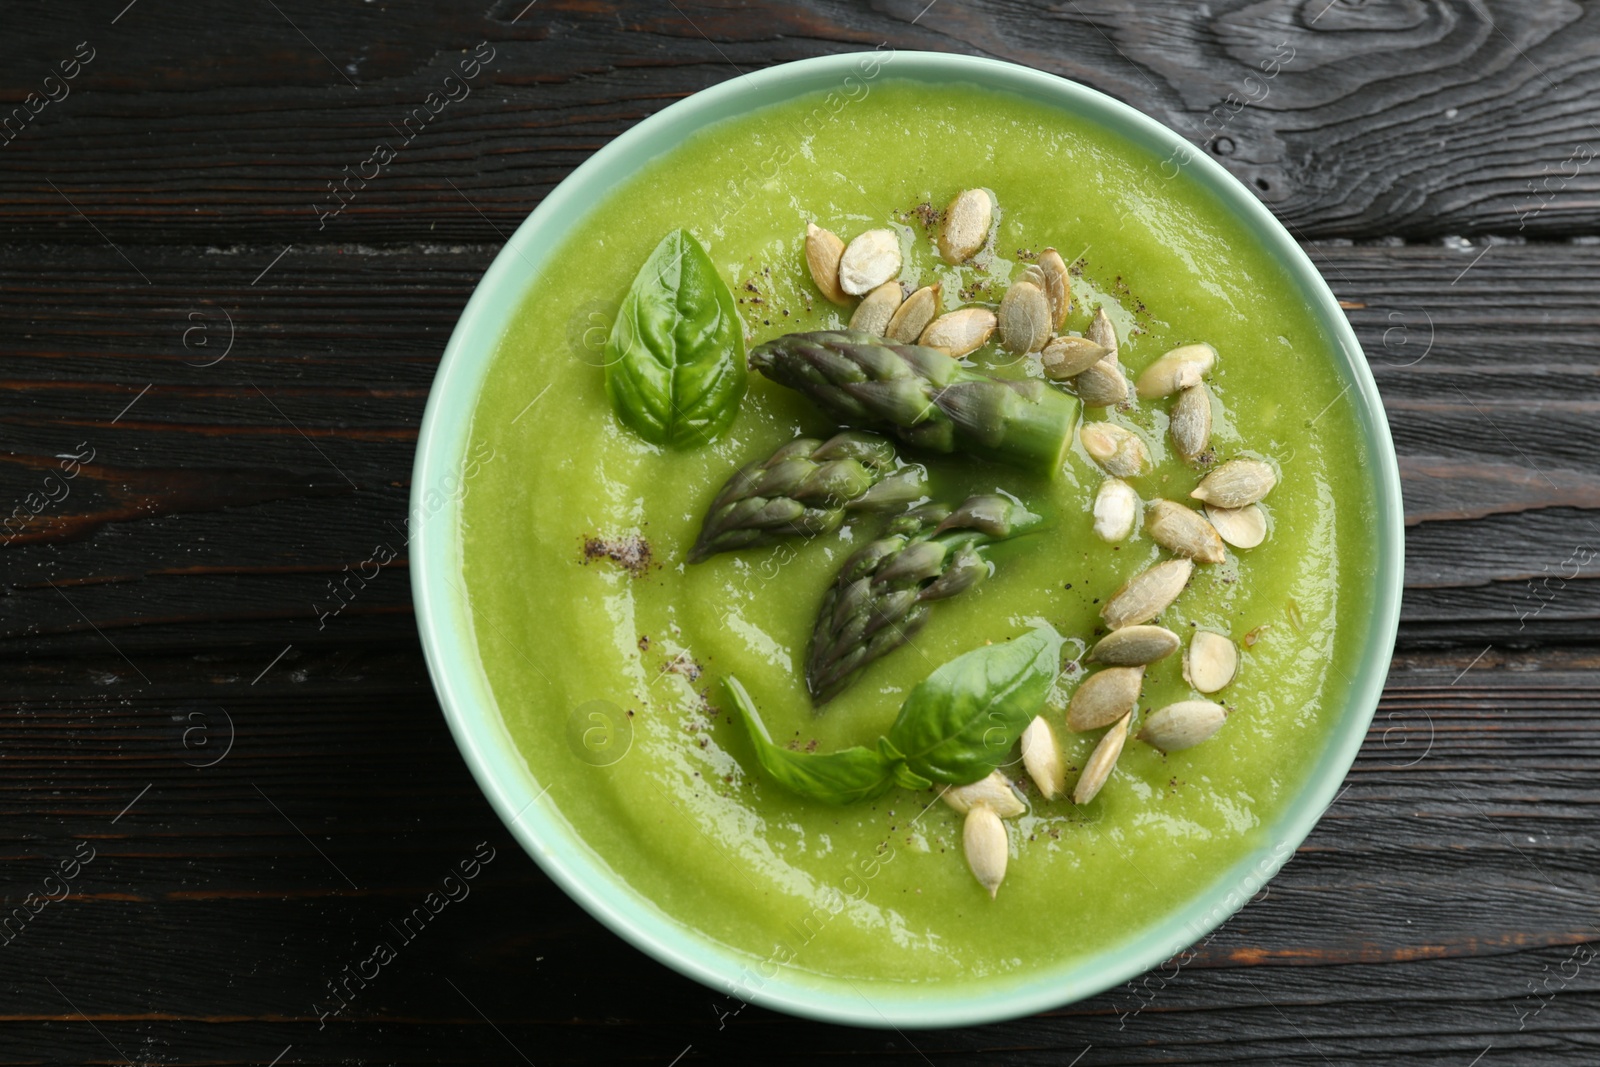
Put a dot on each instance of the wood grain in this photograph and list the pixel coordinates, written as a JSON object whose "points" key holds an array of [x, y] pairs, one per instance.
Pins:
{"points": [[1419, 118], [1449, 861], [1496, 454], [266, 787]]}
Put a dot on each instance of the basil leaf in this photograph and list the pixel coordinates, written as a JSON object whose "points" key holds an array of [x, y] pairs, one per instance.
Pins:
{"points": [[842, 777], [675, 368], [904, 776], [960, 722]]}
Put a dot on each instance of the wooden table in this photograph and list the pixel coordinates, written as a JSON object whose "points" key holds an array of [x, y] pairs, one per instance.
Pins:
{"points": [[212, 389]]}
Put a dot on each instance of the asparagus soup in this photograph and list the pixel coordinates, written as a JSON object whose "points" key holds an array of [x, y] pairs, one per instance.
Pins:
{"points": [[1111, 504]]}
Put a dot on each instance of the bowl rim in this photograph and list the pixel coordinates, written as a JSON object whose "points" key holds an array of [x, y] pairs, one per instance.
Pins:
{"points": [[446, 625]]}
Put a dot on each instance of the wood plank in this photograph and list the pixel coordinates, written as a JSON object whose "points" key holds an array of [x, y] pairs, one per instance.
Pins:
{"points": [[305, 430], [1451, 877], [1347, 119]]}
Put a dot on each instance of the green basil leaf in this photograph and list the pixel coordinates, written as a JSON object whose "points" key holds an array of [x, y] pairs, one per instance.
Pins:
{"points": [[904, 776], [675, 368], [842, 777], [960, 722]]}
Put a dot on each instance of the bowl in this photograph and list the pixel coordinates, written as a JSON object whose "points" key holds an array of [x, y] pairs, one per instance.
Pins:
{"points": [[469, 707]]}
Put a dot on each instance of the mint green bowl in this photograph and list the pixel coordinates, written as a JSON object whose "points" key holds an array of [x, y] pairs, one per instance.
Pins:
{"points": [[444, 618]]}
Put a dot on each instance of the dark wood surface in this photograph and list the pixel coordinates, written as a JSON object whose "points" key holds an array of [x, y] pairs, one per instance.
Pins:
{"points": [[263, 794]]}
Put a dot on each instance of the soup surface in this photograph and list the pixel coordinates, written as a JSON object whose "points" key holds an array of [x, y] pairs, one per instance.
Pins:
{"points": [[574, 532]]}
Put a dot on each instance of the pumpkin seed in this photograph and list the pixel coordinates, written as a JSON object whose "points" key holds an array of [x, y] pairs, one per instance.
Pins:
{"points": [[959, 332], [1066, 357], [1191, 420], [995, 791], [1211, 662], [1101, 332], [1102, 385], [1120, 451], [1134, 646], [1237, 483], [1116, 507], [877, 308], [1054, 270], [1178, 369], [984, 840], [1183, 531], [966, 225], [1042, 757], [869, 261], [1182, 725], [1244, 527], [1032, 273], [1104, 697], [913, 316], [823, 250], [1147, 594], [1024, 318], [1102, 761]]}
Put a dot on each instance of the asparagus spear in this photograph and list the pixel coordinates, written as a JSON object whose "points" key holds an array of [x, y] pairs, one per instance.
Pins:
{"points": [[882, 594], [804, 489], [923, 396]]}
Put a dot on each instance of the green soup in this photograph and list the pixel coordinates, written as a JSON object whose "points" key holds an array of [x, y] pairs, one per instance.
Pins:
{"points": [[560, 492]]}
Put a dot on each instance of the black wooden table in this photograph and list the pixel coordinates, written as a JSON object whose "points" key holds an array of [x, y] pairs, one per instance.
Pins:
{"points": [[217, 343]]}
